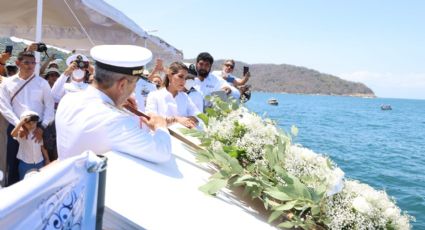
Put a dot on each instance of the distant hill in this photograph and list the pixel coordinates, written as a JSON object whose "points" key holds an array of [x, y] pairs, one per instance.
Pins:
{"points": [[264, 77], [295, 79]]}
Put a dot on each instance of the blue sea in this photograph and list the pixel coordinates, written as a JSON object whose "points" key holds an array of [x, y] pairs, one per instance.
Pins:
{"points": [[385, 149]]}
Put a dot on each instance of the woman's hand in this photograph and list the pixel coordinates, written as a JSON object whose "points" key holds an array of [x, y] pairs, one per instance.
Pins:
{"points": [[188, 122]]}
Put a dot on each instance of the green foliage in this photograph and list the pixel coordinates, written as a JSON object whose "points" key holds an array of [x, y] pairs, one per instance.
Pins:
{"points": [[267, 180]]}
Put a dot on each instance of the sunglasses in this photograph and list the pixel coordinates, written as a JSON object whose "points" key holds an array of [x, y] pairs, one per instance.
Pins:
{"points": [[229, 65]]}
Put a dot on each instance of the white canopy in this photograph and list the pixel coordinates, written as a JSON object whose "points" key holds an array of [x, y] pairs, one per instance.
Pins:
{"points": [[78, 24]]}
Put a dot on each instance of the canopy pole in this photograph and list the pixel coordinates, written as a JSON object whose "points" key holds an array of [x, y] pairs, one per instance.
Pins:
{"points": [[38, 32]]}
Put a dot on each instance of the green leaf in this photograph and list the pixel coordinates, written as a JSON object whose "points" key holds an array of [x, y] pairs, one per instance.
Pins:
{"points": [[211, 112], [213, 186], [204, 118], [286, 224], [279, 195], [315, 210], [274, 216], [287, 206], [297, 189], [222, 174]]}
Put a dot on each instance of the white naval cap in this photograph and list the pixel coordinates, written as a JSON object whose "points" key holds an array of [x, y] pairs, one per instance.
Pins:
{"points": [[125, 59], [74, 57], [28, 113]]}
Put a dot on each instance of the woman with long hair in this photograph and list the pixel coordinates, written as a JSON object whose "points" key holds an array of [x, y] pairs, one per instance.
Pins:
{"points": [[171, 101]]}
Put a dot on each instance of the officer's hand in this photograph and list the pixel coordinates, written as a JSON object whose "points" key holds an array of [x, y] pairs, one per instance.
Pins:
{"points": [[38, 135], [155, 122]]}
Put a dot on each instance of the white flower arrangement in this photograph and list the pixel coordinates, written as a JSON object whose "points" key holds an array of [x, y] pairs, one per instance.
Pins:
{"points": [[359, 206], [304, 163], [301, 188]]}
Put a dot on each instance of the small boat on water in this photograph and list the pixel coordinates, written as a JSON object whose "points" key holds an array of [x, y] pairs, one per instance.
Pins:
{"points": [[386, 107], [273, 101]]}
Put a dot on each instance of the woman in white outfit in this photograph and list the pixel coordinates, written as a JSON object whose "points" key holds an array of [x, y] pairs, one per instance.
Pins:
{"points": [[171, 101], [74, 79]]}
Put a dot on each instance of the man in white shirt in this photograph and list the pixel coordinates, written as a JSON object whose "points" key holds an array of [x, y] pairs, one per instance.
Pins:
{"points": [[226, 73], [19, 93], [206, 83], [95, 120]]}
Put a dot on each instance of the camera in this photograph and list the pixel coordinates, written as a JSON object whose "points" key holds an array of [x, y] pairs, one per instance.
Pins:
{"points": [[192, 70], [41, 47], [80, 63], [33, 118]]}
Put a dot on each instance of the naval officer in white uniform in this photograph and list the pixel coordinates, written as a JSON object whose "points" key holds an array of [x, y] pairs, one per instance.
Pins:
{"points": [[94, 119], [141, 92]]}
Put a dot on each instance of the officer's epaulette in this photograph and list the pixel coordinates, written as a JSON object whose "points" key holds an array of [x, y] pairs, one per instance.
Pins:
{"points": [[145, 79]]}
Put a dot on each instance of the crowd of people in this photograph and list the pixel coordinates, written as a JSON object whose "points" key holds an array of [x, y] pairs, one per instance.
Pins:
{"points": [[61, 114]]}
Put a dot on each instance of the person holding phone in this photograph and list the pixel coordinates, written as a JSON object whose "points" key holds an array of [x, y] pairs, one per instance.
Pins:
{"points": [[3, 59], [227, 70]]}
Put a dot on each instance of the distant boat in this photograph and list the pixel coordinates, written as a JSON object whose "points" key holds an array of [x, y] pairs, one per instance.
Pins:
{"points": [[386, 107], [273, 101]]}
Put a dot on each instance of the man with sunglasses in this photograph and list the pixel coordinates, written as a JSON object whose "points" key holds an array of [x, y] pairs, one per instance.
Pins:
{"points": [[24, 91], [94, 119], [226, 74]]}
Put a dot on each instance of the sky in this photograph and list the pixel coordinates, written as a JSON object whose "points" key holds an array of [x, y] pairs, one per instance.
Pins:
{"points": [[379, 43]]}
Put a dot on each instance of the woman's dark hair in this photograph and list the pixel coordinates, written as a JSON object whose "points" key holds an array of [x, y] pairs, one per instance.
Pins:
{"points": [[204, 56], [174, 68]]}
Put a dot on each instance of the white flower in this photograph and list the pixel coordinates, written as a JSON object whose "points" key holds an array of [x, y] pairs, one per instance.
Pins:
{"points": [[391, 213], [361, 205]]}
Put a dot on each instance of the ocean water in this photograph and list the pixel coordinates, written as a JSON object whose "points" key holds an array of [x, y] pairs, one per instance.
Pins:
{"points": [[385, 149]]}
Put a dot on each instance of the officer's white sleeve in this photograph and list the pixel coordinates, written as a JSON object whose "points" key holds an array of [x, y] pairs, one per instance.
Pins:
{"points": [[49, 105], [58, 90], [125, 136], [5, 106], [151, 103]]}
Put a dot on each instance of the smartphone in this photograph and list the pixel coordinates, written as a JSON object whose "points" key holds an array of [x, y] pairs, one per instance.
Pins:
{"points": [[9, 49], [245, 70]]}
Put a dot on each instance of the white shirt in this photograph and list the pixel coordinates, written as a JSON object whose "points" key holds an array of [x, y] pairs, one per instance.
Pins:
{"points": [[197, 99], [235, 92], [29, 151], [35, 96], [61, 87], [220, 73], [213, 83], [89, 120], [143, 88], [162, 102]]}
